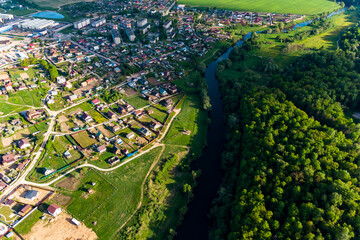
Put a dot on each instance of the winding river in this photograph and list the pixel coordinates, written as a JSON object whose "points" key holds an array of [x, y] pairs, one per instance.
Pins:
{"points": [[195, 224]]}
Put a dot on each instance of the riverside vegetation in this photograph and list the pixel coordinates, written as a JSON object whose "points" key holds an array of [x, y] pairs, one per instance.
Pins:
{"points": [[292, 158]]}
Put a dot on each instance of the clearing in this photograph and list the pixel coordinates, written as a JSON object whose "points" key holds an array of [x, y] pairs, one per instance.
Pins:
{"points": [[266, 6], [60, 228]]}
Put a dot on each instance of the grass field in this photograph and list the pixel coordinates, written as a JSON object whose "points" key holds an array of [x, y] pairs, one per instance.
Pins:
{"points": [[275, 6], [54, 4], [190, 118], [32, 98], [325, 41], [136, 101], [112, 206], [61, 144], [85, 204], [25, 226], [83, 139]]}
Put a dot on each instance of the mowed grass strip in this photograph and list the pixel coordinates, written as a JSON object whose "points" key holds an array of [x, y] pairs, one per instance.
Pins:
{"points": [[268, 6]]}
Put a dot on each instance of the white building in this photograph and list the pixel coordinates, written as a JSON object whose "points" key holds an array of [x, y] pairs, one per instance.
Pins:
{"points": [[6, 16], [130, 34], [98, 22], [116, 36], [36, 24], [167, 24], [142, 22], [61, 80], [81, 23]]}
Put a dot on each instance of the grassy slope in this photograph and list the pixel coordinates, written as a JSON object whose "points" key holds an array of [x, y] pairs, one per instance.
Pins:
{"points": [[278, 6]]}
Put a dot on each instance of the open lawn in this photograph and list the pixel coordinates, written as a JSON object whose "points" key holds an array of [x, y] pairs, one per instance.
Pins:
{"points": [[84, 203], [26, 225], [190, 118], [158, 114], [137, 101], [122, 202], [32, 98], [7, 214], [277, 6], [83, 139], [7, 108]]}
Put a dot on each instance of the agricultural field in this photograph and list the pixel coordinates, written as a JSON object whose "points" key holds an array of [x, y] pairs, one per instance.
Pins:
{"points": [[97, 116], [275, 6]]}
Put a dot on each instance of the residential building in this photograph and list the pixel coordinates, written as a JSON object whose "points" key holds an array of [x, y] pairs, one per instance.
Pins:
{"points": [[24, 210], [54, 210], [23, 143], [8, 159], [142, 22]]}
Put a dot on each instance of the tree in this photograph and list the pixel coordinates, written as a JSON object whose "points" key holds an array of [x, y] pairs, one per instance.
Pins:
{"points": [[201, 67]]}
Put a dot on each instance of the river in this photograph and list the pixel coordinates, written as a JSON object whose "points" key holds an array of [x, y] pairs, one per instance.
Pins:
{"points": [[195, 224]]}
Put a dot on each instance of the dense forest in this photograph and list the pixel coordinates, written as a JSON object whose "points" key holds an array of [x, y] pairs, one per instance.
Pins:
{"points": [[291, 163]]}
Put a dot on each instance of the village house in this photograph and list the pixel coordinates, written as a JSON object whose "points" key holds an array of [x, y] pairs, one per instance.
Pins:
{"points": [[144, 131], [110, 114], [23, 143], [8, 202], [130, 135], [154, 125], [34, 114], [2, 185], [114, 160], [54, 210], [24, 210], [95, 101], [86, 117], [101, 148], [31, 195], [115, 128], [8, 159]]}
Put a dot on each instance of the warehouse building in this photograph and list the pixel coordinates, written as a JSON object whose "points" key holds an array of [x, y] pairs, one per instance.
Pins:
{"points": [[6, 16], [81, 23], [36, 24]]}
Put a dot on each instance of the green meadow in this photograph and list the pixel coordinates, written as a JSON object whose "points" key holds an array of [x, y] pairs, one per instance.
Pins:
{"points": [[275, 6]]}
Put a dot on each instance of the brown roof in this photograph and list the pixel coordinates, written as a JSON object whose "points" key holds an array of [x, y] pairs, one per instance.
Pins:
{"points": [[25, 209], [101, 148], [52, 208], [8, 158]]}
